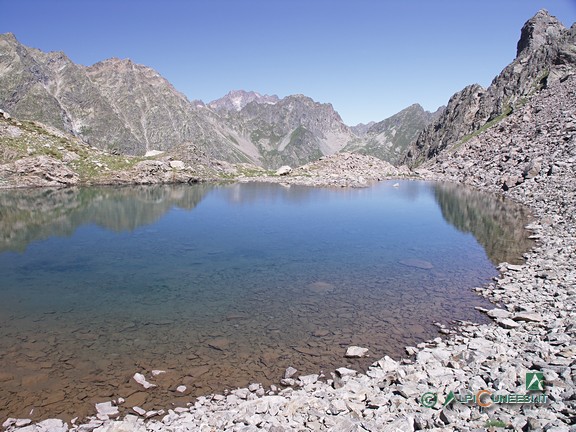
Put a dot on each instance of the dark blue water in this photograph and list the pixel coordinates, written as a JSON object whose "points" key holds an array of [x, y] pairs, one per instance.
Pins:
{"points": [[225, 285]]}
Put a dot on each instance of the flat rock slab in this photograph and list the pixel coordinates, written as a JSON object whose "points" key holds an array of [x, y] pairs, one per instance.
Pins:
{"points": [[107, 409], [417, 263], [136, 399], [507, 323], [498, 313], [528, 316], [220, 344], [307, 351], [356, 352]]}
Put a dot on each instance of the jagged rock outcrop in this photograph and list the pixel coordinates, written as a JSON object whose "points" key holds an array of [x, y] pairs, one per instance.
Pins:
{"points": [[533, 146], [389, 139], [238, 99], [546, 52]]}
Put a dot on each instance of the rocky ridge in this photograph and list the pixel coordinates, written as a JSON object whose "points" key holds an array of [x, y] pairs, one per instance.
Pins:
{"points": [[546, 52], [338, 170], [293, 131], [533, 329], [389, 139]]}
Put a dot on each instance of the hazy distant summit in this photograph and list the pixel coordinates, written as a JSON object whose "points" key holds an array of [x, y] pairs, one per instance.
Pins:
{"points": [[238, 99]]}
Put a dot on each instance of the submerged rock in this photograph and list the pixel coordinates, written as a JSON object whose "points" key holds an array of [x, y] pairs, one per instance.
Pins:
{"points": [[356, 352], [417, 263]]}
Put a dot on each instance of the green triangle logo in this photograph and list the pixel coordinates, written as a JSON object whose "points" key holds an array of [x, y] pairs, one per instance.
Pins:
{"points": [[534, 381], [449, 399]]}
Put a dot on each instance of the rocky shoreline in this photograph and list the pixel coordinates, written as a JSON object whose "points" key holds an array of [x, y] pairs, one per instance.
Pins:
{"points": [[533, 330]]}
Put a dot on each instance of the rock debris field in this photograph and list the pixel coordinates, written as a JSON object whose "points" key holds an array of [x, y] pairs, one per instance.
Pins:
{"points": [[530, 156]]}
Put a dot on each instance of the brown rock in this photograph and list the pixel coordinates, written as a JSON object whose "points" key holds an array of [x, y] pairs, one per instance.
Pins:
{"points": [[136, 399]]}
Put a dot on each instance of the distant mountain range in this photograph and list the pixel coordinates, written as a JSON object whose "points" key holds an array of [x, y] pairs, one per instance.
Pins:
{"points": [[126, 108], [123, 107]]}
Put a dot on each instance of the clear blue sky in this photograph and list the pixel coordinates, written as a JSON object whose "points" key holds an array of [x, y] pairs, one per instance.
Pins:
{"points": [[369, 58]]}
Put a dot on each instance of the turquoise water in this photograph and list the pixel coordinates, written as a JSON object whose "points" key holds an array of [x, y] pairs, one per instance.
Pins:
{"points": [[226, 285]]}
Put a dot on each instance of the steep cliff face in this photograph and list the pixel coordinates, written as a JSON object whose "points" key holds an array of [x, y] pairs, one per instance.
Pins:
{"points": [[546, 52], [389, 139], [49, 88]]}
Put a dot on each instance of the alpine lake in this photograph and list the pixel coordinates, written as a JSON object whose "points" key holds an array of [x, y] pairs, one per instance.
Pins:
{"points": [[221, 286]]}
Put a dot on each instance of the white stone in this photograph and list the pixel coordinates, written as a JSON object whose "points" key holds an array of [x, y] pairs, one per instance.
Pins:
{"points": [[507, 323], [283, 170], [151, 153], [9, 422], [139, 410], [177, 164], [289, 372], [499, 313], [52, 425], [106, 409], [528, 316], [343, 371], [308, 379], [387, 364], [181, 388], [356, 352], [154, 413], [140, 379]]}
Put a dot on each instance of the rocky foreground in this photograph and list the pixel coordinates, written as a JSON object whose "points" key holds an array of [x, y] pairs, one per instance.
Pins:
{"points": [[530, 156]]}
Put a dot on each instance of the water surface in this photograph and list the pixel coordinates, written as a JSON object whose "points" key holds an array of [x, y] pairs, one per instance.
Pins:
{"points": [[226, 285]]}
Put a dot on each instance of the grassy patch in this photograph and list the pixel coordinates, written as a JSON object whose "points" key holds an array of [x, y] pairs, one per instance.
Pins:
{"points": [[494, 423], [488, 125]]}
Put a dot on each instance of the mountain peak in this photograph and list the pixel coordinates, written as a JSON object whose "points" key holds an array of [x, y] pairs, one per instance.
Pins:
{"points": [[539, 30], [235, 100], [8, 36]]}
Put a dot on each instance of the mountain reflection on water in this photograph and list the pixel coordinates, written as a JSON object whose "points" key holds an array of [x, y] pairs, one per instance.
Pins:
{"points": [[497, 224], [35, 214], [28, 215]]}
